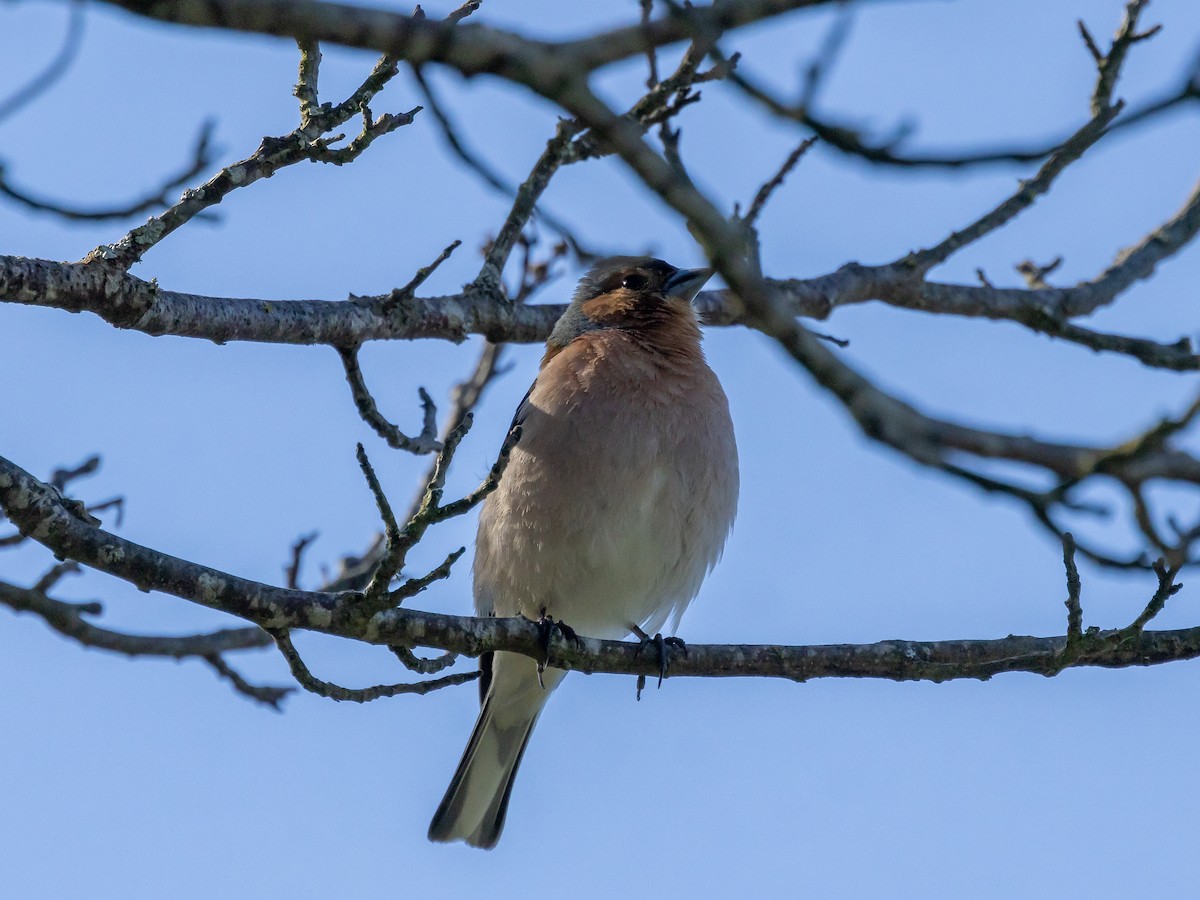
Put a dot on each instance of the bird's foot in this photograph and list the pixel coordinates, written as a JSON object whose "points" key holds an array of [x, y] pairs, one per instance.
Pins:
{"points": [[546, 626], [663, 646]]}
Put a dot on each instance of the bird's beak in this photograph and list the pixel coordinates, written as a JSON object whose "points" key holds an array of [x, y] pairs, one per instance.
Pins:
{"points": [[686, 283]]}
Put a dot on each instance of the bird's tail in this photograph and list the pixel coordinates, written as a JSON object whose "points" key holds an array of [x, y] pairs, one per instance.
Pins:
{"points": [[475, 803]]}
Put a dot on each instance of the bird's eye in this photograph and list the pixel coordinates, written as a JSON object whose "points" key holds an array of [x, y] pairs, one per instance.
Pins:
{"points": [[635, 282]]}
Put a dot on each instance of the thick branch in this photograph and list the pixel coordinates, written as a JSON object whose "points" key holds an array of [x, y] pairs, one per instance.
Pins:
{"points": [[47, 518], [126, 301], [470, 48]]}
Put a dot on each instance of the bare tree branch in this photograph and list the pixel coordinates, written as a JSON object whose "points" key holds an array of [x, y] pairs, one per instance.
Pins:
{"points": [[60, 478], [43, 514], [308, 141], [405, 294], [523, 207], [68, 620], [291, 572], [486, 173], [268, 695], [850, 140], [471, 48], [202, 159], [423, 666], [54, 70], [356, 571], [1074, 609], [314, 685], [425, 442], [1103, 109], [126, 301], [759, 203]]}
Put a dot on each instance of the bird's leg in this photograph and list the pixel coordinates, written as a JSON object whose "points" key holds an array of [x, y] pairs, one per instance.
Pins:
{"points": [[546, 626], [661, 645]]}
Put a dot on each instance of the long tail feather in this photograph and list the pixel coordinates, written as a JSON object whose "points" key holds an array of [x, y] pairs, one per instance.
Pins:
{"points": [[476, 802]]}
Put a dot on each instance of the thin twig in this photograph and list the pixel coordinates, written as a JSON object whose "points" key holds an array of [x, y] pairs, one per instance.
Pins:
{"points": [[393, 557], [1167, 588], [488, 174], [1035, 273], [400, 295], [647, 7], [306, 88], [67, 53], [490, 483], [291, 572], [490, 273], [268, 695], [60, 478], [1074, 587], [117, 503], [457, 15], [849, 139], [423, 666], [68, 620], [156, 199], [310, 141], [328, 689], [55, 575], [1025, 195], [425, 442], [773, 183], [816, 72]]}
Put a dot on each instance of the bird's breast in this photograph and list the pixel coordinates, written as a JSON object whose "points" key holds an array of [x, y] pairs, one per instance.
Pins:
{"points": [[616, 501]]}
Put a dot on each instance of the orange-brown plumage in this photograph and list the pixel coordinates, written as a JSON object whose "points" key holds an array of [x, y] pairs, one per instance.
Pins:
{"points": [[662, 324]]}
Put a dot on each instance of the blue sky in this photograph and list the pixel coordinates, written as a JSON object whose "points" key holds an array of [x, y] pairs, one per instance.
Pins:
{"points": [[138, 778]]}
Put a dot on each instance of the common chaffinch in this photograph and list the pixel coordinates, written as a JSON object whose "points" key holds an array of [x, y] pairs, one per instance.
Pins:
{"points": [[616, 502]]}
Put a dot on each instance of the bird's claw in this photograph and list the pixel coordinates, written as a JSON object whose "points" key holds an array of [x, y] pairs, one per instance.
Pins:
{"points": [[662, 646], [546, 627]]}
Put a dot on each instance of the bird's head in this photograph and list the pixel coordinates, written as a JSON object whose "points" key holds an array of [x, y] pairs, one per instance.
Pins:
{"points": [[638, 294]]}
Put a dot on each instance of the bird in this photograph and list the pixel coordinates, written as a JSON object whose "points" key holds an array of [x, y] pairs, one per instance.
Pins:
{"points": [[616, 502]]}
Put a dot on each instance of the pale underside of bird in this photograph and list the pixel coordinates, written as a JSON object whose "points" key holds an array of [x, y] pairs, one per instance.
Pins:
{"points": [[616, 502]]}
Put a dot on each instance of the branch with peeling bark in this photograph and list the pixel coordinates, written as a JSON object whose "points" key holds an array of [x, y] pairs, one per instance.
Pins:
{"points": [[70, 618], [42, 513], [126, 301]]}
